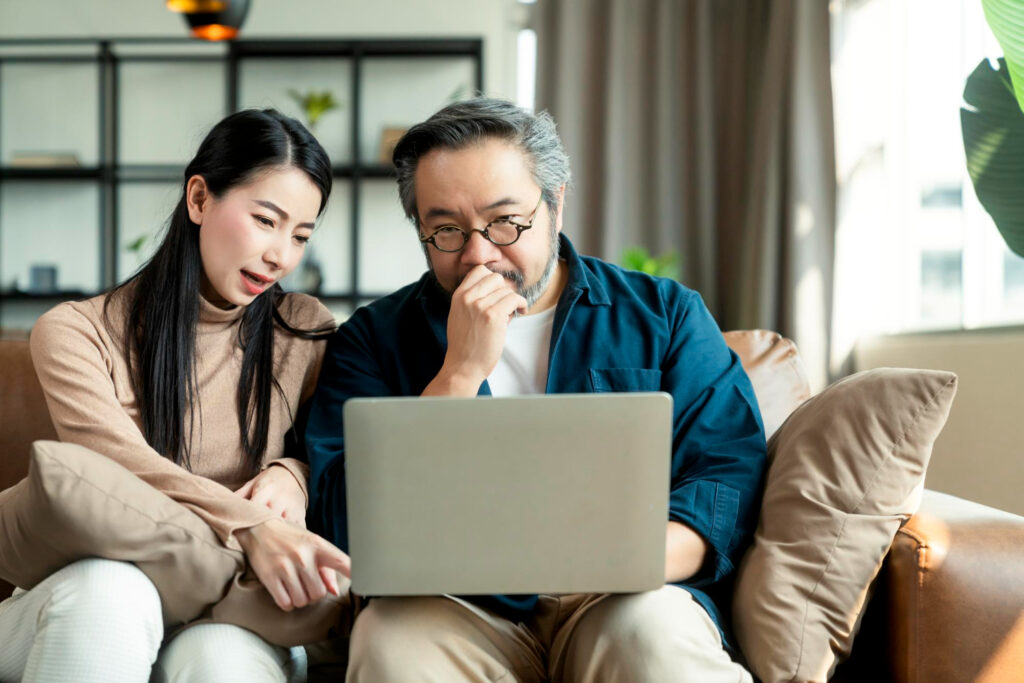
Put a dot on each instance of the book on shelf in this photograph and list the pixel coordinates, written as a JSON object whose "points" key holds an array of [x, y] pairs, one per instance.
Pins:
{"points": [[44, 160]]}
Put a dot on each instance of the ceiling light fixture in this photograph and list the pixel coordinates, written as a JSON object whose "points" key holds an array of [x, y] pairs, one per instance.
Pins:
{"points": [[213, 19], [186, 6]]}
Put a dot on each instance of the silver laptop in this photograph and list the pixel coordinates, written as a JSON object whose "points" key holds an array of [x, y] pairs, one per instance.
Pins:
{"points": [[563, 493]]}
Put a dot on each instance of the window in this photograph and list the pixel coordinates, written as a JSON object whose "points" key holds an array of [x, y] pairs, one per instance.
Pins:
{"points": [[526, 57], [914, 248], [526, 67]]}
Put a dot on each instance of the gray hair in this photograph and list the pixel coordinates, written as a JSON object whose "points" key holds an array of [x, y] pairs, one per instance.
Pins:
{"points": [[471, 121]]}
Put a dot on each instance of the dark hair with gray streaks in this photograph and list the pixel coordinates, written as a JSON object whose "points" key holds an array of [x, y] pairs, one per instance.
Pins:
{"points": [[471, 121]]}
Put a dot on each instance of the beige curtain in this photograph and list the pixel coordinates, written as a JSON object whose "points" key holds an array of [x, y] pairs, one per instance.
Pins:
{"points": [[703, 127]]}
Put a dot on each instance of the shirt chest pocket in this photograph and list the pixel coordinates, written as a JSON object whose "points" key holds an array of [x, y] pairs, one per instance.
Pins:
{"points": [[624, 379]]}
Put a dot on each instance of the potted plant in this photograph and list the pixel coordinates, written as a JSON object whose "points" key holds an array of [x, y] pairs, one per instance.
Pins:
{"points": [[314, 103], [662, 265], [992, 120]]}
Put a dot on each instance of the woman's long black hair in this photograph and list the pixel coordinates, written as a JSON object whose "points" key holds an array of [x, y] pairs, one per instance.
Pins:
{"points": [[163, 301]]}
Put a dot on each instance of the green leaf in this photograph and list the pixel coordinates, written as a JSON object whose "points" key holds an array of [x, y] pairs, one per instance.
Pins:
{"points": [[993, 129], [638, 258], [314, 103], [668, 265], [634, 258], [1006, 19], [136, 244]]}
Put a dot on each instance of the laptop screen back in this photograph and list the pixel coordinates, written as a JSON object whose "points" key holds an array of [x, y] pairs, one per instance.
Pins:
{"points": [[530, 494]]}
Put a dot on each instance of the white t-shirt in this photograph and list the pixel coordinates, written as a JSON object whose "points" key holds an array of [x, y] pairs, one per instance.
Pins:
{"points": [[523, 367]]}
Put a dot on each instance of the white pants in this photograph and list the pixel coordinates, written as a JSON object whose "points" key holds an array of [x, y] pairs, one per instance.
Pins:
{"points": [[100, 620], [221, 652]]}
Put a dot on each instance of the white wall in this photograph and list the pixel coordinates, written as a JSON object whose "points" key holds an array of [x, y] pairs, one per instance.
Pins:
{"points": [[496, 21], [980, 453]]}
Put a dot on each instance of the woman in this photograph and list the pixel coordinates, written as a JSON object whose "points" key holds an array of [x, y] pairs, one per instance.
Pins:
{"points": [[191, 374]]}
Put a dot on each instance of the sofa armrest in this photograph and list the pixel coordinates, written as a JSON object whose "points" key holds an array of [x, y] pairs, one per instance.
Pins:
{"points": [[956, 594]]}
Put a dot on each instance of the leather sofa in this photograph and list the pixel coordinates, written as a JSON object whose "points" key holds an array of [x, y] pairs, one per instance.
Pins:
{"points": [[948, 605]]}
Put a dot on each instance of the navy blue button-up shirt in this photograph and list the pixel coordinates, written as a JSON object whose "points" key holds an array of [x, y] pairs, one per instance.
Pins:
{"points": [[614, 330]]}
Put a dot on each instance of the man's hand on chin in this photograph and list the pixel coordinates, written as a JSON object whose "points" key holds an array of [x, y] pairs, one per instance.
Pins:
{"points": [[481, 308]]}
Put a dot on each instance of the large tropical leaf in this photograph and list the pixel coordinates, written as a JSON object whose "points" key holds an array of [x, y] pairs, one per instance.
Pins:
{"points": [[1006, 19], [993, 128]]}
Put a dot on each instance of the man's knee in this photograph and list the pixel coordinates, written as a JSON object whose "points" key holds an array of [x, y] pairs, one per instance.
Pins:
{"points": [[646, 635], [433, 638], [650, 625], [390, 634]]}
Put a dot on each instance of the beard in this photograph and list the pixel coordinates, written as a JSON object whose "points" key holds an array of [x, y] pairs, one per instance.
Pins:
{"points": [[531, 292]]}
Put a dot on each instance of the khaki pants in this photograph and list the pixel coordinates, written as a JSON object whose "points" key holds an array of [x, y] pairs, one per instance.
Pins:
{"points": [[660, 636]]}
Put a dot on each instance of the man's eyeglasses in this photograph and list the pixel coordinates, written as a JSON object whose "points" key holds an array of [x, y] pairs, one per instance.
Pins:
{"points": [[501, 232]]}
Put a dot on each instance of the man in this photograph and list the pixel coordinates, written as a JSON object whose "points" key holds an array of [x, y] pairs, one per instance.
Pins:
{"points": [[508, 307]]}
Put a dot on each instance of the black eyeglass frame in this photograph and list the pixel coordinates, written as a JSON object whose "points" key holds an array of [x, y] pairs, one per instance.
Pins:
{"points": [[466, 234]]}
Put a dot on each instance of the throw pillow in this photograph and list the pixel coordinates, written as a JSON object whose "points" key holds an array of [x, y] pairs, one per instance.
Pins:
{"points": [[844, 472], [76, 503]]}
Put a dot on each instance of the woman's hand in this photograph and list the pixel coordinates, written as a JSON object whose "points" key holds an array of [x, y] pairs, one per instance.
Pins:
{"points": [[297, 567], [276, 488]]}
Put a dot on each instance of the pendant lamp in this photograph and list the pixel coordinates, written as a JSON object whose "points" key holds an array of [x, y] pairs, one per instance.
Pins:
{"points": [[212, 19], [186, 6]]}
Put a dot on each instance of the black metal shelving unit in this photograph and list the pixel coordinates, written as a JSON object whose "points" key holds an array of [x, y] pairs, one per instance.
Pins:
{"points": [[110, 175]]}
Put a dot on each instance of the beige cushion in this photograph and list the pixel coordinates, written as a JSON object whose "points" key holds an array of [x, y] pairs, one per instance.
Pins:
{"points": [[776, 372], [76, 504], [845, 471]]}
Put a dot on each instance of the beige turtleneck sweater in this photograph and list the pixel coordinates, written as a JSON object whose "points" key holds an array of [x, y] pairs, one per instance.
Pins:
{"points": [[81, 365]]}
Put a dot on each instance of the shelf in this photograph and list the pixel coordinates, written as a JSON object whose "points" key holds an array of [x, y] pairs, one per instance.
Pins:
{"points": [[78, 295], [304, 47], [65, 295], [51, 173], [378, 171], [158, 173], [360, 298], [153, 173], [163, 172], [138, 118]]}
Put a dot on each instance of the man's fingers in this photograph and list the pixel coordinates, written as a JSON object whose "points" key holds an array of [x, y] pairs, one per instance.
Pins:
{"points": [[488, 284], [511, 303], [472, 278], [520, 304], [494, 299]]}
